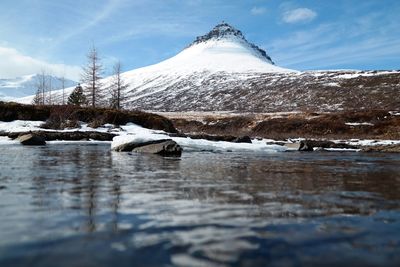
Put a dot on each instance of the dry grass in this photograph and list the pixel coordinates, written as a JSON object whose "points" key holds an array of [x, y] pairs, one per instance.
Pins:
{"points": [[308, 125]]}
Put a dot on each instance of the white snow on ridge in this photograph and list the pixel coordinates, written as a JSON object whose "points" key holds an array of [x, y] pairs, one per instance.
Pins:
{"points": [[228, 55]]}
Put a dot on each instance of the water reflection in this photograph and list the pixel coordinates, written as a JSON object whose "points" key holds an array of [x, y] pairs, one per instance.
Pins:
{"points": [[202, 209]]}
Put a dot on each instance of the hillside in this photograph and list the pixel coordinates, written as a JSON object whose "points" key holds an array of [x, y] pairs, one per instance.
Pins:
{"points": [[222, 71]]}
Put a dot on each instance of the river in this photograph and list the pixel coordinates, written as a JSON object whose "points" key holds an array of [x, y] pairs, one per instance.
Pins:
{"points": [[83, 205]]}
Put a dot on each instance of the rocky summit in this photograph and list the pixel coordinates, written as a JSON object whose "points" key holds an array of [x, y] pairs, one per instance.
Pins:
{"points": [[224, 30]]}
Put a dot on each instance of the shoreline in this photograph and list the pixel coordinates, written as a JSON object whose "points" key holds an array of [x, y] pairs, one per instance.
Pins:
{"points": [[217, 143], [352, 130]]}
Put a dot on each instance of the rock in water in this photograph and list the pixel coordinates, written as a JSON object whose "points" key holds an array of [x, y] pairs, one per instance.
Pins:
{"points": [[306, 146], [302, 146], [165, 148], [291, 146], [32, 140], [128, 147]]}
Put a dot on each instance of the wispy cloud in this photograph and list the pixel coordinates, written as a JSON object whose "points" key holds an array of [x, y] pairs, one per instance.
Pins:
{"points": [[299, 15], [90, 21], [149, 29], [257, 10], [13, 64], [338, 43]]}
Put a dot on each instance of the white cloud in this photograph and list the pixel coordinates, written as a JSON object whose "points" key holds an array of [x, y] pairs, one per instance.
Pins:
{"points": [[14, 64], [299, 15], [258, 10]]}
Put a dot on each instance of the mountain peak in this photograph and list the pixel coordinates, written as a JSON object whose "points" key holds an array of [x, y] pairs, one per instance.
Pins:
{"points": [[225, 31]]}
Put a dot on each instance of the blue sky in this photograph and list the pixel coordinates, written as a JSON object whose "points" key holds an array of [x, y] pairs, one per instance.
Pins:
{"points": [[56, 35]]}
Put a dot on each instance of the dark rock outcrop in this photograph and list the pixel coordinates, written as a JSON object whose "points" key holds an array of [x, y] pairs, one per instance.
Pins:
{"points": [[328, 144], [306, 146], [66, 136], [32, 140], [224, 30]]}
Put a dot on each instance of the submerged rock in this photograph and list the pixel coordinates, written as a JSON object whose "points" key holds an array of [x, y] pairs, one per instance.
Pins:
{"points": [[32, 140], [164, 148]]}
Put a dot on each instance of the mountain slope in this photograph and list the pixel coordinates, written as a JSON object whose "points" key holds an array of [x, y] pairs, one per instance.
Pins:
{"points": [[222, 71], [10, 89]]}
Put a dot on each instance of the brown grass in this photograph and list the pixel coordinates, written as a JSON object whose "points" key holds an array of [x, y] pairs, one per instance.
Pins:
{"points": [[308, 125]]}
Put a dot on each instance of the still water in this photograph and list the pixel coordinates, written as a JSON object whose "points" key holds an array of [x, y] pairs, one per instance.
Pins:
{"points": [[83, 205]]}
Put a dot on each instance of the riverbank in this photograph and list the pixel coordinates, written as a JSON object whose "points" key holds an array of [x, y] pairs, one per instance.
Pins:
{"points": [[361, 124], [369, 131], [119, 135]]}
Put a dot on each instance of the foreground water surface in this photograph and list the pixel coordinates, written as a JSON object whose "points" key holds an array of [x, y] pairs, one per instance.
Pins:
{"points": [[83, 205]]}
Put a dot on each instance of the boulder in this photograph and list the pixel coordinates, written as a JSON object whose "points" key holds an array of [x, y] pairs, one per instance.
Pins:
{"points": [[32, 140], [292, 146], [305, 146], [164, 148], [302, 146], [128, 147]]}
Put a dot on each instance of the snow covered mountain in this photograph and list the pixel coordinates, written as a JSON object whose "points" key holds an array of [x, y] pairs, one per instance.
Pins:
{"points": [[10, 89], [222, 71], [224, 49]]}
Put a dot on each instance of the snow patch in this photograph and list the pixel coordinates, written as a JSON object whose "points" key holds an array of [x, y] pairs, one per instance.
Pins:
{"points": [[359, 123], [334, 84], [137, 134]]}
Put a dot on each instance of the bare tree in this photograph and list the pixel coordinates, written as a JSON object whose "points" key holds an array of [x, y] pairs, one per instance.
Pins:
{"points": [[49, 86], [62, 81], [41, 87], [91, 76], [117, 87]]}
